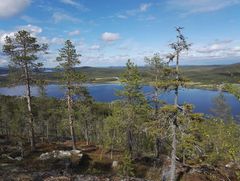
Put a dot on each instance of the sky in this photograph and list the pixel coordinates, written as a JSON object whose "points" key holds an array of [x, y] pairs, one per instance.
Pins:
{"points": [[109, 32]]}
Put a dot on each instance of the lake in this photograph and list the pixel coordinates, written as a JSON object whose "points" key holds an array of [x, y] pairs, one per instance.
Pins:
{"points": [[202, 99]]}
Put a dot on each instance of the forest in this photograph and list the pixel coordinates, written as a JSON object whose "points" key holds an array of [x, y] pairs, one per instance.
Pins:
{"points": [[133, 138]]}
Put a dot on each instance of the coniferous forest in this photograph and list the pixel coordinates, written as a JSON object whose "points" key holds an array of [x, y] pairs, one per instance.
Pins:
{"points": [[137, 137]]}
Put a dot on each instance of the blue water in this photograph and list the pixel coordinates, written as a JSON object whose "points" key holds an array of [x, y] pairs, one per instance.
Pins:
{"points": [[202, 99]]}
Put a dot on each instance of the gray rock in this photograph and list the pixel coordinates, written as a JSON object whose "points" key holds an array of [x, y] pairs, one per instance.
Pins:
{"points": [[114, 164], [60, 154]]}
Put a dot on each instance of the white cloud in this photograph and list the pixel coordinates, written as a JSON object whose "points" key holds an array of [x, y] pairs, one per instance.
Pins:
{"points": [[237, 49], [147, 18], [225, 49], [94, 47], [3, 36], [51, 41], [34, 30], [71, 2], [109, 37], [57, 41], [73, 33], [3, 62], [10, 8], [122, 16], [75, 4], [145, 7], [58, 17], [134, 12], [215, 47], [200, 6]]}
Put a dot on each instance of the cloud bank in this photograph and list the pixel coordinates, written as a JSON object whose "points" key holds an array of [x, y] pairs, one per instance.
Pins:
{"points": [[9, 8]]}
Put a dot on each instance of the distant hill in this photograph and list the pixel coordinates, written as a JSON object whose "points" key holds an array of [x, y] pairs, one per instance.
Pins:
{"points": [[207, 74], [213, 73]]}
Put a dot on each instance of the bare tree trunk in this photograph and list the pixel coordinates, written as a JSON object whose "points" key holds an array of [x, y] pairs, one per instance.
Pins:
{"points": [[6, 129], [111, 154], [156, 102], [173, 127], [156, 97], [157, 147], [87, 132], [47, 131], [112, 146], [2, 130], [173, 154], [29, 105], [70, 117], [130, 141]]}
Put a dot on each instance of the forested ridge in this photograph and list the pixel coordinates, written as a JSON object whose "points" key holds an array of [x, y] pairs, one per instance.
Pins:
{"points": [[131, 138], [209, 75]]}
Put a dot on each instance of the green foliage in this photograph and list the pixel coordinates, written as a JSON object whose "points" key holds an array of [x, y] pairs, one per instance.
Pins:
{"points": [[233, 89], [126, 166], [68, 59], [134, 106], [158, 68], [114, 128], [131, 81], [23, 50], [130, 126], [221, 109], [13, 113], [211, 141]]}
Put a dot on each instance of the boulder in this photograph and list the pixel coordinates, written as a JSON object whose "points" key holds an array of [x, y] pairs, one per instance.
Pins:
{"points": [[61, 178], [115, 164], [60, 154]]}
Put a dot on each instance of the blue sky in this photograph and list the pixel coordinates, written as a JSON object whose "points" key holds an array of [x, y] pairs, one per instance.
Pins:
{"points": [[109, 32]]}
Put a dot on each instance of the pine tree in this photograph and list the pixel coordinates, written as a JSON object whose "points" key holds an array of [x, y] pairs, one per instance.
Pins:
{"points": [[134, 102], [178, 47], [23, 50], [159, 72], [68, 59]]}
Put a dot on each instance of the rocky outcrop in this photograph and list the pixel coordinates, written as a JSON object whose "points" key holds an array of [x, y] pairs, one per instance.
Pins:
{"points": [[60, 154]]}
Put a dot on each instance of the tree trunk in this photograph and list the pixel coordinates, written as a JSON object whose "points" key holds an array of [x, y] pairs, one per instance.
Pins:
{"points": [[70, 118], [2, 128], [173, 127], [87, 132], [157, 147], [173, 154], [29, 105], [47, 131], [156, 102], [130, 141]]}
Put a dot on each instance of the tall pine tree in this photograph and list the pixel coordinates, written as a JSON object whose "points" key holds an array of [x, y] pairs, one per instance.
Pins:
{"points": [[68, 59], [178, 47], [134, 103], [23, 49]]}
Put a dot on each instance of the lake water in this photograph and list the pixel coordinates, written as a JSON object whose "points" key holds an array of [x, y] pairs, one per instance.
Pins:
{"points": [[202, 99]]}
